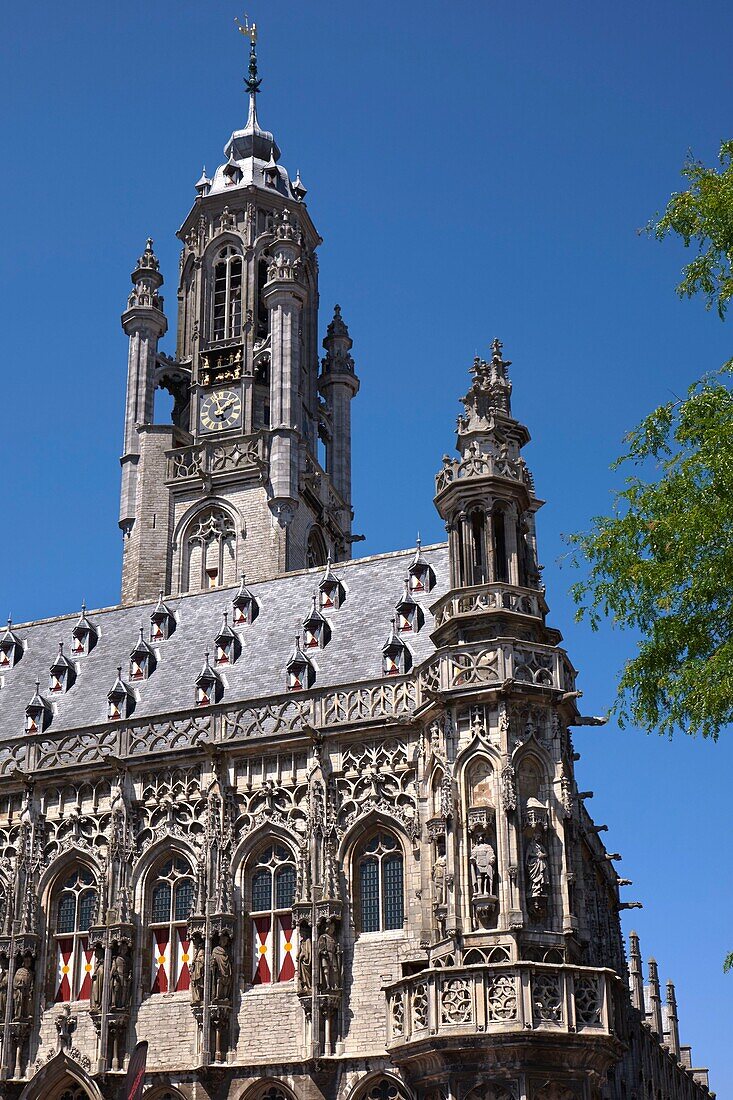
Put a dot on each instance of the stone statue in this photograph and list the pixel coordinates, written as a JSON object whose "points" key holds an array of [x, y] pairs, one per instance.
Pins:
{"points": [[196, 970], [65, 1025], [329, 960], [119, 978], [537, 876], [439, 874], [221, 970], [23, 989], [483, 864], [305, 963], [95, 994]]}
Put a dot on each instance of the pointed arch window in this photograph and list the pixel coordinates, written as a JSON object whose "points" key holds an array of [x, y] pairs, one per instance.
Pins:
{"points": [[501, 561], [226, 320], [171, 901], [380, 883], [271, 896], [74, 910], [211, 550]]}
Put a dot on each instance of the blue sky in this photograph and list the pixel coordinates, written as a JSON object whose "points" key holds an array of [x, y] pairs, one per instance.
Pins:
{"points": [[475, 169]]}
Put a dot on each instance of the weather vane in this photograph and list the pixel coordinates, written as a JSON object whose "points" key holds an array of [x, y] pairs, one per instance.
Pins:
{"points": [[249, 30]]}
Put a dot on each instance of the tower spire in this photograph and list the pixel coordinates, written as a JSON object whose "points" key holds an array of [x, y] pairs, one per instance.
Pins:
{"points": [[252, 81]]}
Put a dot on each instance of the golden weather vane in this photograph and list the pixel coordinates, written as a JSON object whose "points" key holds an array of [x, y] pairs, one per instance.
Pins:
{"points": [[249, 30]]}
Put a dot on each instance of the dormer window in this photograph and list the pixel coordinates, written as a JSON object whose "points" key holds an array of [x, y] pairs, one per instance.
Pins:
{"points": [[226, 306], [209, 687], [410, 615], [162, 621], [396, 657], [142, 660], [38, 713], [316, 631], [245, 608], [422, 575], [300, 673], [232, 172], [228, 646], [11, 647], [270, 171], [62, 673], [121, 699], [84, 636], [331, 592]]}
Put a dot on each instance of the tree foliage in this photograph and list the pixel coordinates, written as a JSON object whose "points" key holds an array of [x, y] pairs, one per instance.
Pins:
{"points": [[662, 563], [703, 214]]}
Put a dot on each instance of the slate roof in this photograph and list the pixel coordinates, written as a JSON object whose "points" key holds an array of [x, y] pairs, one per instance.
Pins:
{"points": [[359, 627]]}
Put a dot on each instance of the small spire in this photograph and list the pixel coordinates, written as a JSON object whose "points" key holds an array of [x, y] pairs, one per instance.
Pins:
{"points": [[655, 1000], [299, 188], [673, 1037]]}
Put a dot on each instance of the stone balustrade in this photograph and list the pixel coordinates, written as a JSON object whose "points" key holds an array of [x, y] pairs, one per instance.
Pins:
{"points": [[453, 1003], [497, 596], [217, 458]]}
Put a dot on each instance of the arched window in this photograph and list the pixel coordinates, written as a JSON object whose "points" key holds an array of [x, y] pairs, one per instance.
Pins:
{"points": [[226, 315], [479, 573], [72, 915], [501, 563], [271, 893], [171, 899], [210, 550], [316, 553], [263, 314], [380, 875]]}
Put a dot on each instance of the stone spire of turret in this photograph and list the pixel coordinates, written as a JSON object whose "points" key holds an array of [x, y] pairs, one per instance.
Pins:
{"points": [[338, 384], [635, 973], [655, 1000], [144, 323], [673, 1036]]}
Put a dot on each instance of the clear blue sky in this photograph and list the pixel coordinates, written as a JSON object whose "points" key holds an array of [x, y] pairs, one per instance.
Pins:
{"points": [[475, 169]]}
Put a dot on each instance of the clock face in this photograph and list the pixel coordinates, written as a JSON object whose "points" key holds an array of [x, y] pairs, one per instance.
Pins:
{"points": [[219, 410]]}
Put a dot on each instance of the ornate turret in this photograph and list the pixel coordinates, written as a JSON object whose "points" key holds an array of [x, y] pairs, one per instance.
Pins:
{"points": [[487, 498], [339, 385]]}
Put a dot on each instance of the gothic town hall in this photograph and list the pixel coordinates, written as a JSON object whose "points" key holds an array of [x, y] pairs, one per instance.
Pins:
{"points": [[308, 824]]}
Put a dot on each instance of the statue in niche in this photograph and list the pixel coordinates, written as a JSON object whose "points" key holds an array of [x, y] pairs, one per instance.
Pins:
{"points": [[23, 989], [221, 970], [440, 880], [305, 961], [119, 978], [95, 994], [535, 862], [196, 971], [329, 960], [483, 865]]}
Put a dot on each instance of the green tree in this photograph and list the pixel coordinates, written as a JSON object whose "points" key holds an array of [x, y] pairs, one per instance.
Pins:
{"points": [[662, 563]]}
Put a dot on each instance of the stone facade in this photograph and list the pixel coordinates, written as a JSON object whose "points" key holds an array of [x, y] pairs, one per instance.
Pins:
{"points": [[353, 866]]}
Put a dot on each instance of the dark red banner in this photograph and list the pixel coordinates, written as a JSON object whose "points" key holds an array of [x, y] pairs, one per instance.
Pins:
{"points": [[136, 1072]]}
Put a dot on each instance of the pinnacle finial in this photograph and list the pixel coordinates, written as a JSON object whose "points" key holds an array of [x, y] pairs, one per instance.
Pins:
{"points": [[249, 30]]}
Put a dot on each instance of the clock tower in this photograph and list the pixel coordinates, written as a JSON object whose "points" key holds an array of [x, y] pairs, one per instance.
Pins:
{"points": [[237, 482]]}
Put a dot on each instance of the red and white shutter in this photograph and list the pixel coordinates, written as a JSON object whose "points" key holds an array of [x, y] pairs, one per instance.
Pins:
{"points": [[183, 976], [64, 969], [85, 971], [161, 960], [287, 948], [261, 950]]}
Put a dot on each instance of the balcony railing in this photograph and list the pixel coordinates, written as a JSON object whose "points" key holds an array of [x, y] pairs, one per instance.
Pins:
{"points": [[496, 596], [456, 1002], [214, 459]]}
